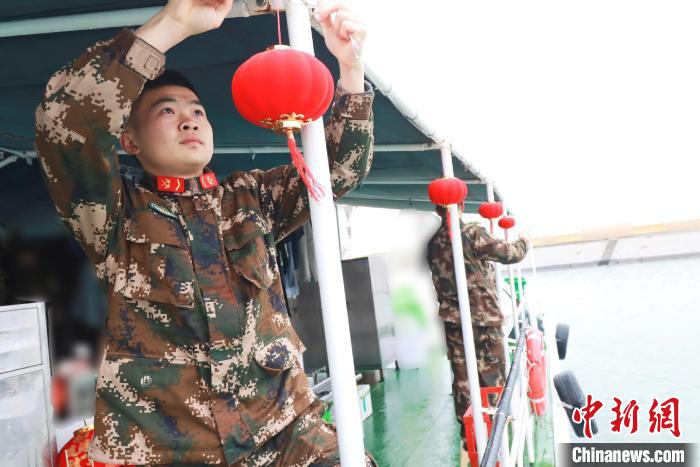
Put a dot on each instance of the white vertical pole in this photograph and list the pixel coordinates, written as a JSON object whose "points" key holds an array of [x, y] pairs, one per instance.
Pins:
{"points": [[490, 196], [531, 319], [330, 277], [522, 380], [511, 284], [505, 445], [530, 441], [464, 312]]}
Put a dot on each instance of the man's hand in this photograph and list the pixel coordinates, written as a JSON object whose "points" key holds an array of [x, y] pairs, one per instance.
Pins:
{"points": [[342, 26], [180, 19]]}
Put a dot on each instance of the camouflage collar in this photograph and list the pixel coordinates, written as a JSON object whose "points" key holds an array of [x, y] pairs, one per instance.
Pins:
{"points": [[181, 186]]}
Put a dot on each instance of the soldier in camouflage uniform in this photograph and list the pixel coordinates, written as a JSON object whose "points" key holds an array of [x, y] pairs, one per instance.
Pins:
{"points": [[200, 362], [480, 249]]}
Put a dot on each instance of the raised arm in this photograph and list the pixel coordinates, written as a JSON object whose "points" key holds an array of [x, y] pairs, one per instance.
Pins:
{"points": [[349, 130], [492, 249], [85, 108], [82, 113]]}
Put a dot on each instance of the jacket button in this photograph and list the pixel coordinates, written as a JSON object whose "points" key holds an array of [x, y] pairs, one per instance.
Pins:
{"points": [[146, 381]]}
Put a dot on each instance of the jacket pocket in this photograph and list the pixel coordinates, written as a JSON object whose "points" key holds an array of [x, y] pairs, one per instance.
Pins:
{"points": [[160, 265], [251, 250], [165, 401], [280, 353]]}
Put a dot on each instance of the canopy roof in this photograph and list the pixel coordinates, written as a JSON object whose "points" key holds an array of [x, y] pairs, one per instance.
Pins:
{"points": [[407, 154]]}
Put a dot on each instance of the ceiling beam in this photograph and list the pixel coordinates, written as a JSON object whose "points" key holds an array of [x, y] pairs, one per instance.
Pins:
{"points": [[251, 150], [424, 181], [356, 195], [107, 19]]}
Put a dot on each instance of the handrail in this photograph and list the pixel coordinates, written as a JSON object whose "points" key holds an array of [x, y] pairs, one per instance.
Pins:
{"points": [[503, 409]]}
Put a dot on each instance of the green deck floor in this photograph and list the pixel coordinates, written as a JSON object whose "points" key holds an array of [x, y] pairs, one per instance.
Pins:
{"points": [[413, 421]]}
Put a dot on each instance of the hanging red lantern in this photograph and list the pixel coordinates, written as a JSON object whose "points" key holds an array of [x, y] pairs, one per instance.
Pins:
{"points": [[283, 89], [447, 190], [75, 452], [506, 222], [491, 210]]}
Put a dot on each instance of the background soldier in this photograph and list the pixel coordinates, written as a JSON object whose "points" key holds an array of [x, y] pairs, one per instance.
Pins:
{"points": [[479, 250], [199, 364]]}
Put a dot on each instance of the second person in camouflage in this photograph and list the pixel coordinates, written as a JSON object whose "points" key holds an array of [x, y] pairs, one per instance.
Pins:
{"points": [[480, 249]]}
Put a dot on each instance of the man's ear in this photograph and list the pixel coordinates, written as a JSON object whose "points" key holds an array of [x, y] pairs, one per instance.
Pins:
{"points": [[129, 143]]}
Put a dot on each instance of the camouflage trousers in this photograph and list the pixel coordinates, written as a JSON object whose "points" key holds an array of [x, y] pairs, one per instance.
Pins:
{"points": [[490, 360], [307, 441]]}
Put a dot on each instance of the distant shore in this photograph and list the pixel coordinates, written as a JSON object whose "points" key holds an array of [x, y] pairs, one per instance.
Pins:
{"points": [[619, 245]]}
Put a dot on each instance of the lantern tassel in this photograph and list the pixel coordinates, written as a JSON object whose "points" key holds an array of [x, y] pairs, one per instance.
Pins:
{"points": [[315, 189]]}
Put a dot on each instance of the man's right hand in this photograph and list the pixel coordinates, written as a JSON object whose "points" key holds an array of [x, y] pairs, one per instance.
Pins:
{"points": [[180, 19]]}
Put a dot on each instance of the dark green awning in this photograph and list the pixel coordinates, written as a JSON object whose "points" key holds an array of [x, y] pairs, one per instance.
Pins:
{"points": [[399, 175]]}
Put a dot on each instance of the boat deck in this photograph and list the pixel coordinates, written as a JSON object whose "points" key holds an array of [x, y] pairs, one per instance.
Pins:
{"points": [[413, 421]]}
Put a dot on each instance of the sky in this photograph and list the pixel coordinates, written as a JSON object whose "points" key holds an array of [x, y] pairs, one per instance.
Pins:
{"points": [[585, 114]]}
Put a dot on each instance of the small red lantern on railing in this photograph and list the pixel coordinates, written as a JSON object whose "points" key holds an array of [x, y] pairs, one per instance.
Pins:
{"points": [[506, 222], [283, 89], [491, 211]]}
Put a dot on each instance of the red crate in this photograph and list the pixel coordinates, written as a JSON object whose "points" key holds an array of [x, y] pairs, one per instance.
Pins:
{"points": [[469, 423]]}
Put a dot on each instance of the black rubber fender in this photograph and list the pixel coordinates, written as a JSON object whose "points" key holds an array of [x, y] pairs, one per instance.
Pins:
{"points": [[562, 338], [571, 395]]}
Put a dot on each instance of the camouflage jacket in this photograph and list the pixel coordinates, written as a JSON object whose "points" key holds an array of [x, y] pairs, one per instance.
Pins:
{"points": [[200, 359], [480, 249]]}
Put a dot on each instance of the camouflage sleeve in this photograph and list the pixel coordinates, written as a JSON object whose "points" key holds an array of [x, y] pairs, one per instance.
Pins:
{"points": [[492, 249], [82, 113], [349, 140]]}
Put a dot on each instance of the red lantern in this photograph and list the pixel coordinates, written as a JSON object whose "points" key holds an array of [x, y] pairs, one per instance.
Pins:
{"points": [[447, 190], [491, 210], [283, 89], [75, 452], [506, 222]]}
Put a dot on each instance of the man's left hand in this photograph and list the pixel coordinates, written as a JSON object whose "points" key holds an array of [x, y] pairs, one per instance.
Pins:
{"points": [[342, 27]]}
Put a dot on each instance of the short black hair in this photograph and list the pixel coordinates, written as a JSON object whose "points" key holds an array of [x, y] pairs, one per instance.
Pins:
{"points": [[170, 78], [167, 78]]}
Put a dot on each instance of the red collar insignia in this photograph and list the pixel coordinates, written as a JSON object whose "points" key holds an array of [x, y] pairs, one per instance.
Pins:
{"points": [[208, 181], [170, 184]]}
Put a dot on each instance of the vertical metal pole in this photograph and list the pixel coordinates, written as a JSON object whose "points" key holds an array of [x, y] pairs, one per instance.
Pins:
{"points": [[330, 278], [513, 298], [505, 445], [522, 380], [464, 312], [530, 441], [523, 299], [533, 282]]}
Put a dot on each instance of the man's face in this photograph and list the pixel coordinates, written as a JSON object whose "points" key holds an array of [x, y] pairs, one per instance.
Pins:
{"points": [[169, 133]]}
